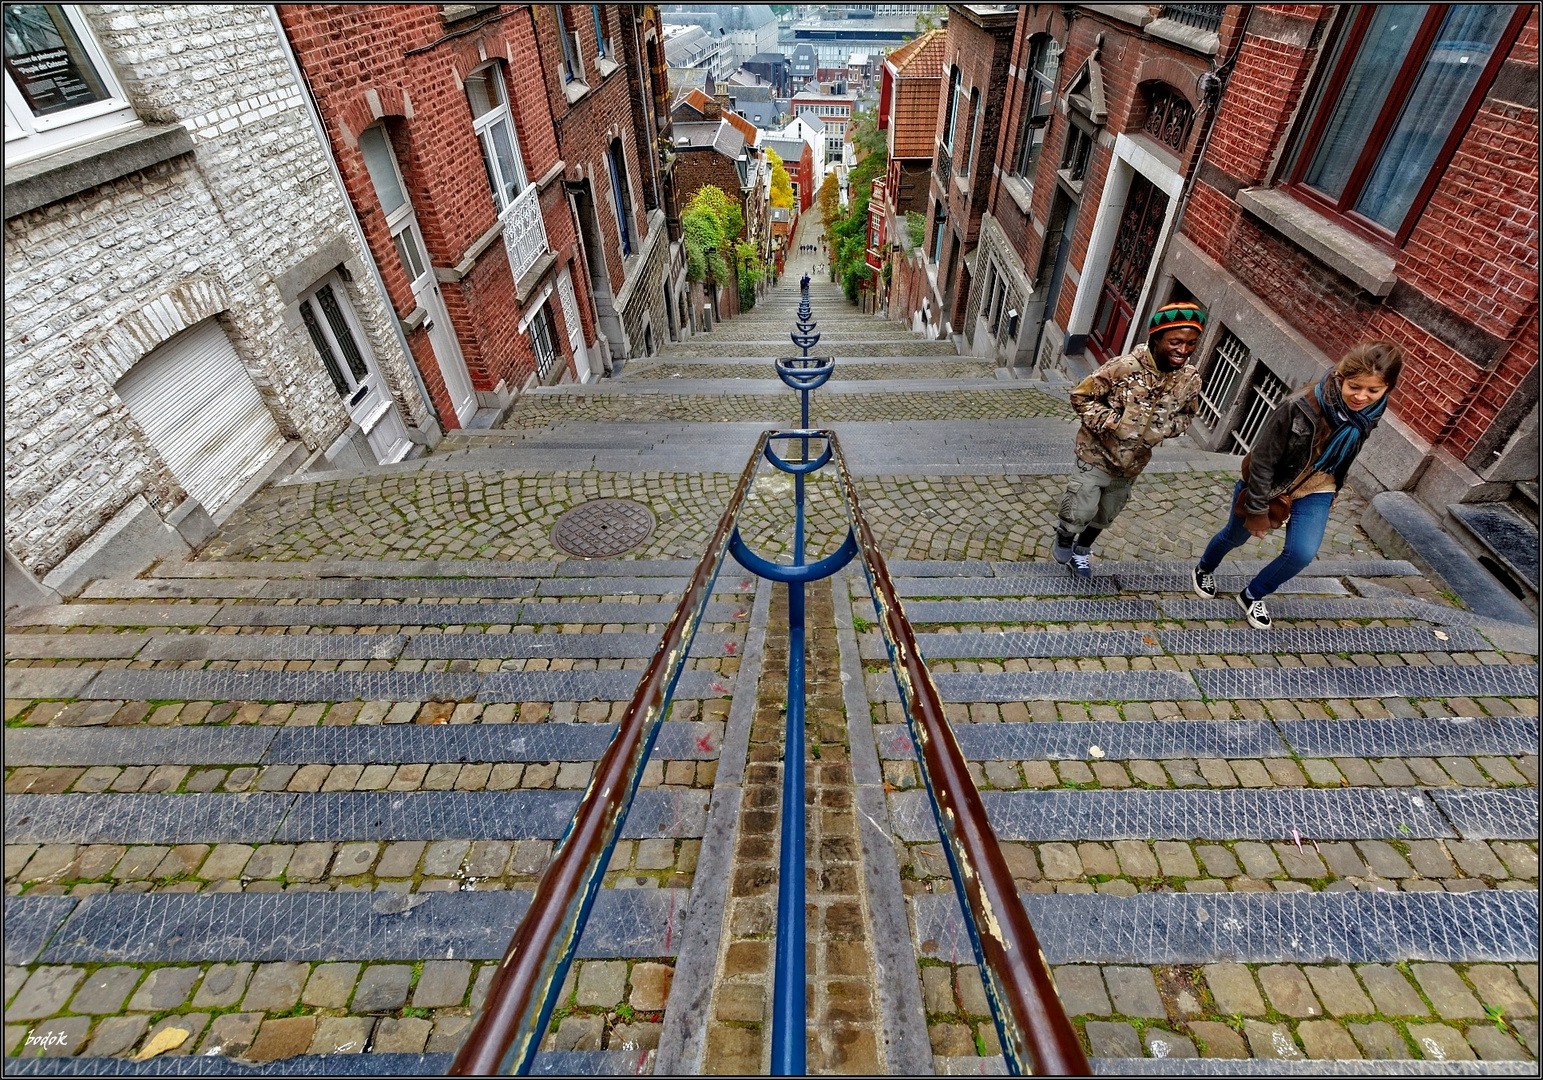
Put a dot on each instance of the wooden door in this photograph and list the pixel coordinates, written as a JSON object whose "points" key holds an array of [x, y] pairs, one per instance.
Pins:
{"points": [[1140, 224]]}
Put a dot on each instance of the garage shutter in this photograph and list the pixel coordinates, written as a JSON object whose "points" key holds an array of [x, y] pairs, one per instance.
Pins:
{"points": [[202, 413]]}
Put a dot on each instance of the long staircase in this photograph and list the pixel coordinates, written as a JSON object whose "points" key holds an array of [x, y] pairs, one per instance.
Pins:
{"points": [[281, 808]]}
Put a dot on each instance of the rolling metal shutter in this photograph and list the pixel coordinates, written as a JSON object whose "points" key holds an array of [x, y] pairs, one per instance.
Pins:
{"points": [[202, 413]]}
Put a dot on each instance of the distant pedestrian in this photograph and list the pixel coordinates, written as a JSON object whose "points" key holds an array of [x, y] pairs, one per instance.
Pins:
{"points": [[1128, 407], [804, 284], [1297, 466]]}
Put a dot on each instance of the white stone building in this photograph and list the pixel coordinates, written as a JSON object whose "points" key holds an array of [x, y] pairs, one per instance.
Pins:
{"points": [[189, 308]]}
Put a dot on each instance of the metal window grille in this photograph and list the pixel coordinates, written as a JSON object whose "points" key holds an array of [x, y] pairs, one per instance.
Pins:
{"points": [[543, 342], [1268, 393], [1229, 358], [1169, 117], [1200, 16]]}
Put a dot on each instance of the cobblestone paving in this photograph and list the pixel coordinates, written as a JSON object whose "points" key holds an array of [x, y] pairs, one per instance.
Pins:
{"points": [[510, 515], [239, 1006], [541, 410], [942, 369]]}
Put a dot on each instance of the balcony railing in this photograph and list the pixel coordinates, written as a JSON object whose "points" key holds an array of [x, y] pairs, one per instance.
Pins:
{"points": [[1200, 16], [524, 231], [944, 166]]}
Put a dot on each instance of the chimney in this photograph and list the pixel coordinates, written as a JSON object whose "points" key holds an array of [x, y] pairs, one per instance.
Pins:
{"points": [[722, 99], [711, 108]]}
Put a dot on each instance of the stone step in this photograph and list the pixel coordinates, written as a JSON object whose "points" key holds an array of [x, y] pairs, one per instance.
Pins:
{"points": [[1228, 684], [1155, 740], [1331, 567], [924, 612], [1084, 643], [1116, 1064], [431, 568], [96, 684], [238, 647], [362, 745], [334, 816], [401, 588], [359, 614], [324, 1063], [735, 347], [199, 927], [1066, 584], [1401, 814], [1316, 927]]}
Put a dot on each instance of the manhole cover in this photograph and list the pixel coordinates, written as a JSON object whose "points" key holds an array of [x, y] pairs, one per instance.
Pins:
{"points": [[602, 528]]}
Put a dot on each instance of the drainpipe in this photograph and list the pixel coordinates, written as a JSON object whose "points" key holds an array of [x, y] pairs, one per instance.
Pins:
{"points": [[436, 431], [1212, 86]]}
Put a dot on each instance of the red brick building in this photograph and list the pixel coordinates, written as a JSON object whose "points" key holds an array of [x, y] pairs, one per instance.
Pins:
{"points": [[977, 53], [798, 159], [1099, 127], [502, 167], [910, 85], [1373, 173], [607, 86]]}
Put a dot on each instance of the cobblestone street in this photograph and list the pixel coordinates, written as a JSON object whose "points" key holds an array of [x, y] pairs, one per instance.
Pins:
{"points": [[361, 719]]}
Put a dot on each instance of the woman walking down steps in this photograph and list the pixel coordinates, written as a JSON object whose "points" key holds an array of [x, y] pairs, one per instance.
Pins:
{"points": [[1297, 466]]}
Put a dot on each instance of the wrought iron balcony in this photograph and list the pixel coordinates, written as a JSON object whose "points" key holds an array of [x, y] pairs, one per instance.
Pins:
{"points": [[943, 166], [524, 231], [1200, 16]]}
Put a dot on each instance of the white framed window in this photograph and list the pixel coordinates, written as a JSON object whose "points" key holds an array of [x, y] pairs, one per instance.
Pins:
{"points": [[59, 88], [391, 191], [494, 126], [543, 342]]}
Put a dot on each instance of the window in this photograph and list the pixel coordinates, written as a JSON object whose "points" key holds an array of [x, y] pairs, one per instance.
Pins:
{"points": [[380, 161], [495, 130], [573, 63], [1227, 363], [543, 342], [953, 105], [1399, 82], [1079, 147], [333, 335], [1044, 65], [939, 229], [969, 138], [616, 159], [1269, 390], [602, 42], [1169, 116], [59, 89]]}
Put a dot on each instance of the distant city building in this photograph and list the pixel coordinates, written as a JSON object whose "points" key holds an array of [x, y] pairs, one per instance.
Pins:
{"points": [[689, 46], [832, 112]]}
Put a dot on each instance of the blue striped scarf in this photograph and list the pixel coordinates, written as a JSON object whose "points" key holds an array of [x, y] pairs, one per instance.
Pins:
{"points": [[1349, 428]]}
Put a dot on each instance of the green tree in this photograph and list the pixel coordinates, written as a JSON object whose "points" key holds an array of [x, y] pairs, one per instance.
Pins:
{"points": [[748, 268], [829, 198], [849, 232], [931, 19], [710, 224], [782, 183]]}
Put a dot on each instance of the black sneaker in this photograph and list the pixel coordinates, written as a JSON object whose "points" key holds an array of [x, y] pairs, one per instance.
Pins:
{"points": [[1254, 611], [1061, 552], [1205, 583]]}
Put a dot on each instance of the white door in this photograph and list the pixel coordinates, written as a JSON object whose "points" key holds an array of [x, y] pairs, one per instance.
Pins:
{"points": [[574, 327], [345, 352], [380, 161], [202, 413]]}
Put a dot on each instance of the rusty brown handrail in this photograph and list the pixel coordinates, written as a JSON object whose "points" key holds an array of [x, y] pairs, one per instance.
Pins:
{"points": [[523, 992], [1036, 1034]]}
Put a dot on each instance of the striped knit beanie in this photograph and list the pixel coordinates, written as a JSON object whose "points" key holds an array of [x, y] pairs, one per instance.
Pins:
{"points": [[1176, 316]]}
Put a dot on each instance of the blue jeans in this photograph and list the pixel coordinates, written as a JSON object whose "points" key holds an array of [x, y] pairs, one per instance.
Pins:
{"points": [[1304, 533]]}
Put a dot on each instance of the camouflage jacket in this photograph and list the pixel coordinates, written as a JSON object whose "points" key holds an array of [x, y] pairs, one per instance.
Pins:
{"points": [[1128, 406]]}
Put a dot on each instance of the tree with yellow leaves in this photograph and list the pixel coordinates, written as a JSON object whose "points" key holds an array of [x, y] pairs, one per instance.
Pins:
{"points": [[782, 183]]}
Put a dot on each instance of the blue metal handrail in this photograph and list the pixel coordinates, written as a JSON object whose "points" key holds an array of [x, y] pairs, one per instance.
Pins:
{"points": [[1035, 1033]]}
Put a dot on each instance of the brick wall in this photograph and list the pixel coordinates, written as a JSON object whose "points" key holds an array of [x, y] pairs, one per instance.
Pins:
{"points": [[400, 64], [1465, 310], [253, 200]]}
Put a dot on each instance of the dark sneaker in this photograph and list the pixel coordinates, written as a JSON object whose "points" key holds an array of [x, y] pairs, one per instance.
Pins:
{"points": [[1205, 583], [1254, 611], [1062, 551], [1081, 562]]}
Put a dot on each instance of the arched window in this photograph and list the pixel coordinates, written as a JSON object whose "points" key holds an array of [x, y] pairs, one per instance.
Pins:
{"points": [[616, 160], [1169, 116], [968, 151], [495, 130], [949, 118]]}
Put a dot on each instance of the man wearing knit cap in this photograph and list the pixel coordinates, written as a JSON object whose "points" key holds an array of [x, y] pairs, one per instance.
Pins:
{"points": [[1128, 407]]}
